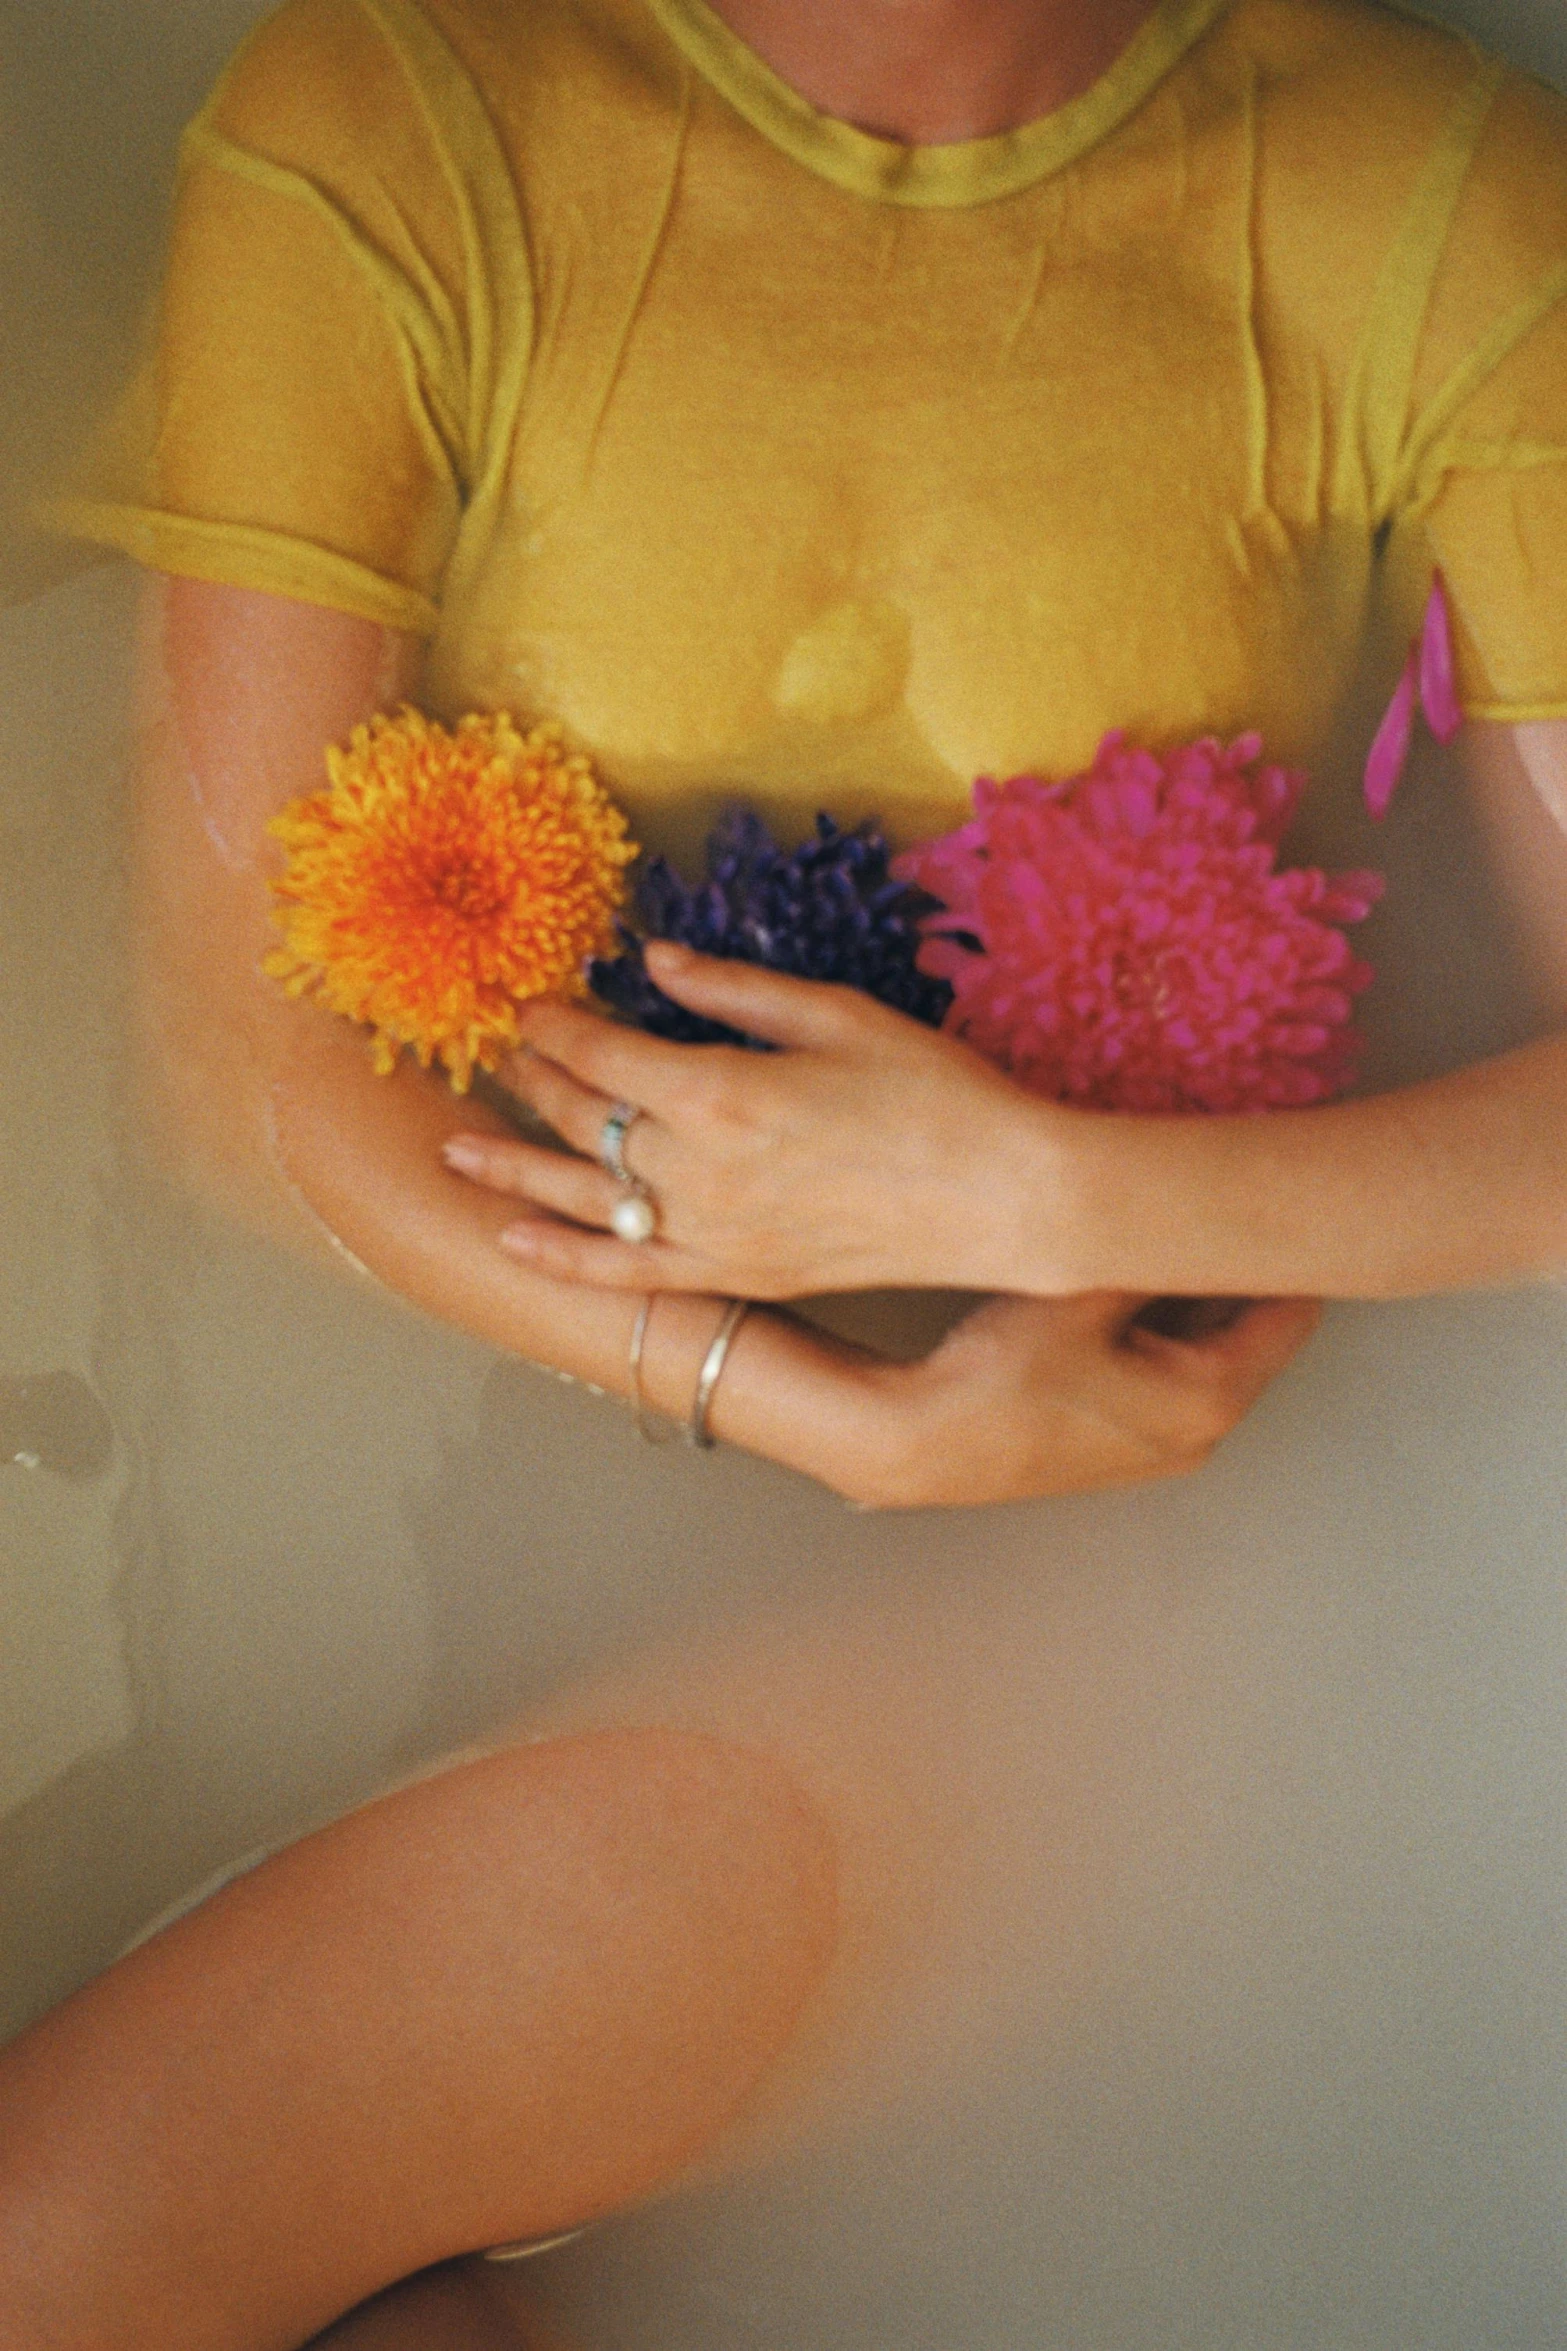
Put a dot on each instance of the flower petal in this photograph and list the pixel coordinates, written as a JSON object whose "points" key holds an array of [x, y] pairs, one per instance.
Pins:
{"points": [[1438, 693], [837, 908], [1391, 748]]}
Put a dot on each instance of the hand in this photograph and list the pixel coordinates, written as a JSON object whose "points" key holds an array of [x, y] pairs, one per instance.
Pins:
{"points": [[1033, 1396], [870, 1152]]}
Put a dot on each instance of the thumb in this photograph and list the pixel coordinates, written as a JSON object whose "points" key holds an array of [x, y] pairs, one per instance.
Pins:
{"points": [[769, 1004]]}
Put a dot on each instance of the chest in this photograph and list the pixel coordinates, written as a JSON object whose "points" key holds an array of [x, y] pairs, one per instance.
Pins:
{"points": [[839, 505]]}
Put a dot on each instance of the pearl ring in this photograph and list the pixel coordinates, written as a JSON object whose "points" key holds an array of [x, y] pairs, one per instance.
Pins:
{"points": [[634, 1216]]}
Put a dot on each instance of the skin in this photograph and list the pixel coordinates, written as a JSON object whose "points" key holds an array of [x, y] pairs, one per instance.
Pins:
{"points": [[1029, 1396], [927, 72], [277, 1105], [870, 1153], [676, 1931], [460, 2306], [491, 2006], [774, 1174]]}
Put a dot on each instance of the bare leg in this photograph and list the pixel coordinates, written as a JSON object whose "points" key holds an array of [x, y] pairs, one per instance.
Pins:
{"points": [[490, 2006], [453, 2308]]}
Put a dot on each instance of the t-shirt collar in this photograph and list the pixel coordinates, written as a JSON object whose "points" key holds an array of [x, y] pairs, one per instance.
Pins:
{"points": [[969, 171]]}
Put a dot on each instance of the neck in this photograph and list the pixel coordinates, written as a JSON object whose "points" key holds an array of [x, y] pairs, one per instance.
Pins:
{"points": [[928, 72]]}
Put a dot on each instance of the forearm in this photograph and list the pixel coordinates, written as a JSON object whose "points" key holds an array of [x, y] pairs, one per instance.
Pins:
{"points": [[364, 1153], [275, 1106], [280, 1108], [1457, 1183]]}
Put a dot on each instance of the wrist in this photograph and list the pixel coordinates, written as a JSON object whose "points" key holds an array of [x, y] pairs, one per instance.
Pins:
{"points": [[893, 1444], [1048, 1201], [883, 1460], [677, 1337], [815, 1404]]}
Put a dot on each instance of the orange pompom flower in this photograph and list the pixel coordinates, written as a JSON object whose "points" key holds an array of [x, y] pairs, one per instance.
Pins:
{"points": [[442, 878]]}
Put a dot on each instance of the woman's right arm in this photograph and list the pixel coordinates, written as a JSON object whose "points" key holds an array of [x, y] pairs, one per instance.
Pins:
{"points": [[277, 1105]]}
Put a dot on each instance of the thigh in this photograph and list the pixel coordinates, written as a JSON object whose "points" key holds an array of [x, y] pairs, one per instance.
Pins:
{"points": [[497, 2003], [453, 2308]]}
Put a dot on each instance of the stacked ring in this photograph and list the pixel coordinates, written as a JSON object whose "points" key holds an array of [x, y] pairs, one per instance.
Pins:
{"points": [[697, 1431], [612, 1141], [634, 1216]]}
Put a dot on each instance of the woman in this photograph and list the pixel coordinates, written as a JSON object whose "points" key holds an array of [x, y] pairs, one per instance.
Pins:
{"points": [[1023, 308], [834, 596]]}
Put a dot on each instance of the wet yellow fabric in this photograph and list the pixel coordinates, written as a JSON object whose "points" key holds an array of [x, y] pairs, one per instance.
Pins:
{"points": [[778, 459]]}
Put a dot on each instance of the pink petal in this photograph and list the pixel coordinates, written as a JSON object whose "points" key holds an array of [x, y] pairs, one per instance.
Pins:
{"points": [[1351, 896], [1438, 694], [1391, 748]]}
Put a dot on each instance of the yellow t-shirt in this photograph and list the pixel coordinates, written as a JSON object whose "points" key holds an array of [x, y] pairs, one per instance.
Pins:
{"points": [[778, 460]]}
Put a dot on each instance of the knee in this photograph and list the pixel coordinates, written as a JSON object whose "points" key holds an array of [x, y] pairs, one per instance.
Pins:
{"points": [[623, 1928], [496, 2003]]}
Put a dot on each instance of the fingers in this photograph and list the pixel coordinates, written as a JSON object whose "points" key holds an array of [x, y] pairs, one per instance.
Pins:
{"points": [[1250, 1350], [603, 1055], [530, 1171], [623, 1063], [566, 1254], [1188, 1393], [1270, 1334], [554, 1181], [768, 1004], [1096, 1314], [575, 1111], [1237, 1338], [1210, 1384]]}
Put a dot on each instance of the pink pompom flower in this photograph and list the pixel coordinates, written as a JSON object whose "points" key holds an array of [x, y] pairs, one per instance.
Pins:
{"points": [[1124, 939]]}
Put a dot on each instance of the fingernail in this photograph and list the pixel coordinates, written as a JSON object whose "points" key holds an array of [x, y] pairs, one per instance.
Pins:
{"points": [[670, 953], [467, 1158], [522, 1240]]}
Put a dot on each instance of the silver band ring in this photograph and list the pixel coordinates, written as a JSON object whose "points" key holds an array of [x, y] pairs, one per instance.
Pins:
{"points": [[639, 1411], [612, 1142], [697, 1430]]}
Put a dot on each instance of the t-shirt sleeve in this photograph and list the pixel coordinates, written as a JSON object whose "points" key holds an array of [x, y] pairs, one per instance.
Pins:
{"points": [[1484, 473], [303, 421]]}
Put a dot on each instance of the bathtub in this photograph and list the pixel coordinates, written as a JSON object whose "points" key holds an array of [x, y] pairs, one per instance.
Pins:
{"points": [[1230, 2004]]}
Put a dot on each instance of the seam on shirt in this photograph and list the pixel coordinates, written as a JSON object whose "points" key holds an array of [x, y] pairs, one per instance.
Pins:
{"points": [[1425, 439], [418, 350], [1030, 302], [244, 555], [1516, 714], [1382, 372], [1258, 423], [1458, 456], [496, 259], [657, 238], [958, 174], [430, 288]]}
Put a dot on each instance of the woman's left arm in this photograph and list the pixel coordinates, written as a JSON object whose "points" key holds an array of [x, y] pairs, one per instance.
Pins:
{"points": [[1452, 1184], [871, 1152]]}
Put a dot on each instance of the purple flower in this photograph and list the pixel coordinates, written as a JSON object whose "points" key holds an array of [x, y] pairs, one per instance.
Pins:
{"points": [[829, 910]]}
